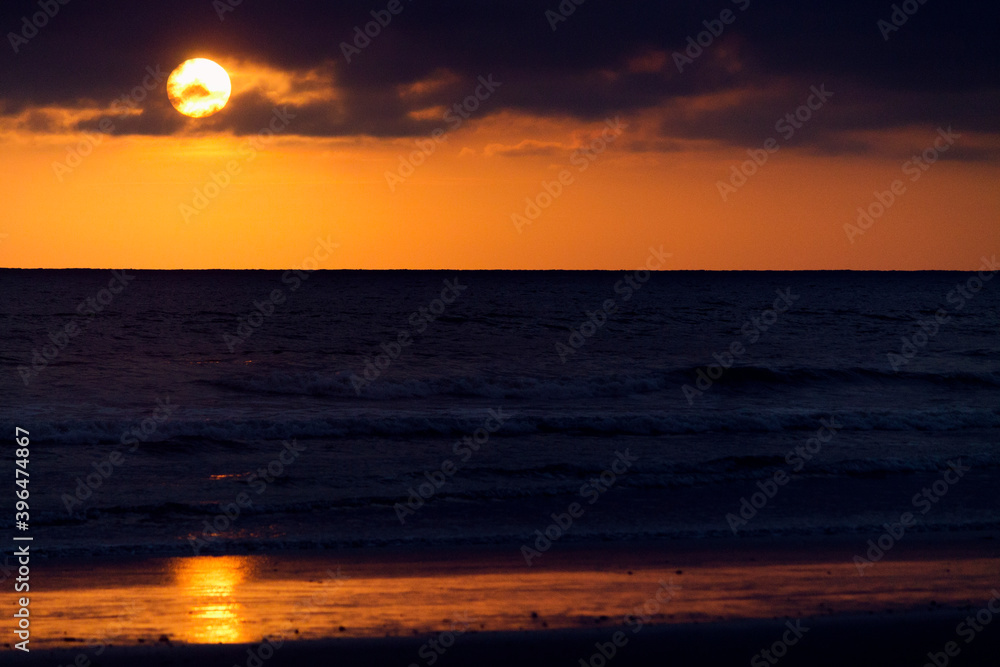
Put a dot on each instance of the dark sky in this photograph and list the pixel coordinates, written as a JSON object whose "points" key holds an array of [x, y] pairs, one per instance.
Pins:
{"points": [[940, 68]]}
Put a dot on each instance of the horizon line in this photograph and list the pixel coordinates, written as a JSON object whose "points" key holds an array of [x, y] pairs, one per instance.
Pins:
{"points": [[118, 268]]}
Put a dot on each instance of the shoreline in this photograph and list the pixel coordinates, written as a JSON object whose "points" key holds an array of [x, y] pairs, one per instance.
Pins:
{"points": [[569, 548], [378, 593]]}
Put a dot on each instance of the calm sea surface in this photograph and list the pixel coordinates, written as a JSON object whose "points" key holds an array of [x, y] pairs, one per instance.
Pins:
{"points": [[258, 410]]}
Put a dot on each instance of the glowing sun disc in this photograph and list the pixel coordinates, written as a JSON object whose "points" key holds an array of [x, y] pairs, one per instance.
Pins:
{"points": [[199, 87]]}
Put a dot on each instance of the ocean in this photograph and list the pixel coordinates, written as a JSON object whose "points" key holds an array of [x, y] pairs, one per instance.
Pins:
{"points": [[179, 412]]}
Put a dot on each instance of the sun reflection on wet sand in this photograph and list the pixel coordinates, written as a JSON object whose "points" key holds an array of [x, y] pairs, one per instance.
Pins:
{"points": [[240, 599], [210, 586]]}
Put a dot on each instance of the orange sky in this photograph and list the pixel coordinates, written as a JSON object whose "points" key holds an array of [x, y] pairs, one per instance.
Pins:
{"points": [[122, 205]]}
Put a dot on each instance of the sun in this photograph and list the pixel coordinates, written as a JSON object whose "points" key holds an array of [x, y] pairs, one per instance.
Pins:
{"points": [[199, 88]]}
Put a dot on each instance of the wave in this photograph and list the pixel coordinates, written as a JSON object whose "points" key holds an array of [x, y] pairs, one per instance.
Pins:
{"points": [[498, 488], [183, 435], [483, 485], [580, 534], [341, 384]]}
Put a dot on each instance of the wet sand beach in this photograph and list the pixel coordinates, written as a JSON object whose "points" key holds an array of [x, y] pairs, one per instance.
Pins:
{"points": [[680, 595]]}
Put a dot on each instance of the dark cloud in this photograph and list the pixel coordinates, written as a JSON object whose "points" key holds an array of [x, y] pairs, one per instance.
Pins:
{"points": [[941, 67], [37, 121], [195, 90], [852, 107]]}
